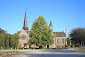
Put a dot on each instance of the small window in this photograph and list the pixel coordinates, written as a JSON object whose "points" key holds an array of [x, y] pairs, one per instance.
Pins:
{"points": [[62, 41]]}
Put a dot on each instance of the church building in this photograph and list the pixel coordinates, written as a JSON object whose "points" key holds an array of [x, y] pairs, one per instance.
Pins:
{"points": [[59, 39]]}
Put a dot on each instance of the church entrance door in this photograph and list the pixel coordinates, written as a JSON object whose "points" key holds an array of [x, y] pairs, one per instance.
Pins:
{"points": [[25, 45]]}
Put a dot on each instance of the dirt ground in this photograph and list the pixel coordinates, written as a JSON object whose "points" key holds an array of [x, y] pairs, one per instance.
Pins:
{"points": [[8, 53]]}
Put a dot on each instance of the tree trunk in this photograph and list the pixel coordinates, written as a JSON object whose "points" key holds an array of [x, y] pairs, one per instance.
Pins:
{"points": [[47, 46], [70, 42], [81, 44]]}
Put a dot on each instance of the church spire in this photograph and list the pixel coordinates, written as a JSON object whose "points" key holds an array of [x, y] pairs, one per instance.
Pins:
{"points": [[51, 26], [65, 31], [25, 22], [50, 22]]}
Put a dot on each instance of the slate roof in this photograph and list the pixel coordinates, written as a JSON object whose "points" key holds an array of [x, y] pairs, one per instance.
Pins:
{"points": [[28, 32], [18, 32], [60, 34]]}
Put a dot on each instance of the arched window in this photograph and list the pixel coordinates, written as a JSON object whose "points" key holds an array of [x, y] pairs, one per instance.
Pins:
{"points": [[62, 41]]}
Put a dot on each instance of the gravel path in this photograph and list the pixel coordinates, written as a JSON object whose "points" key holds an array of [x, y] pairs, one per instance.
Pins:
{"points": [[51, 53]]}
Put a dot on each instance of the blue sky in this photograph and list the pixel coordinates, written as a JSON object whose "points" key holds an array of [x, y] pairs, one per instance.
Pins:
{"points": [[64, 14]]}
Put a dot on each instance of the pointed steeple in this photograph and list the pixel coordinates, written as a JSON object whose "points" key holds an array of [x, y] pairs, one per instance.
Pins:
{"points": [[25, 23], [50, 23], [65, 31], [51, 26]]}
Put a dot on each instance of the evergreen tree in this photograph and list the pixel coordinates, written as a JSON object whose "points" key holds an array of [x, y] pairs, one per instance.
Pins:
{"points": [[7, 40], [40, 35], [15, 41], [1, 40]]}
